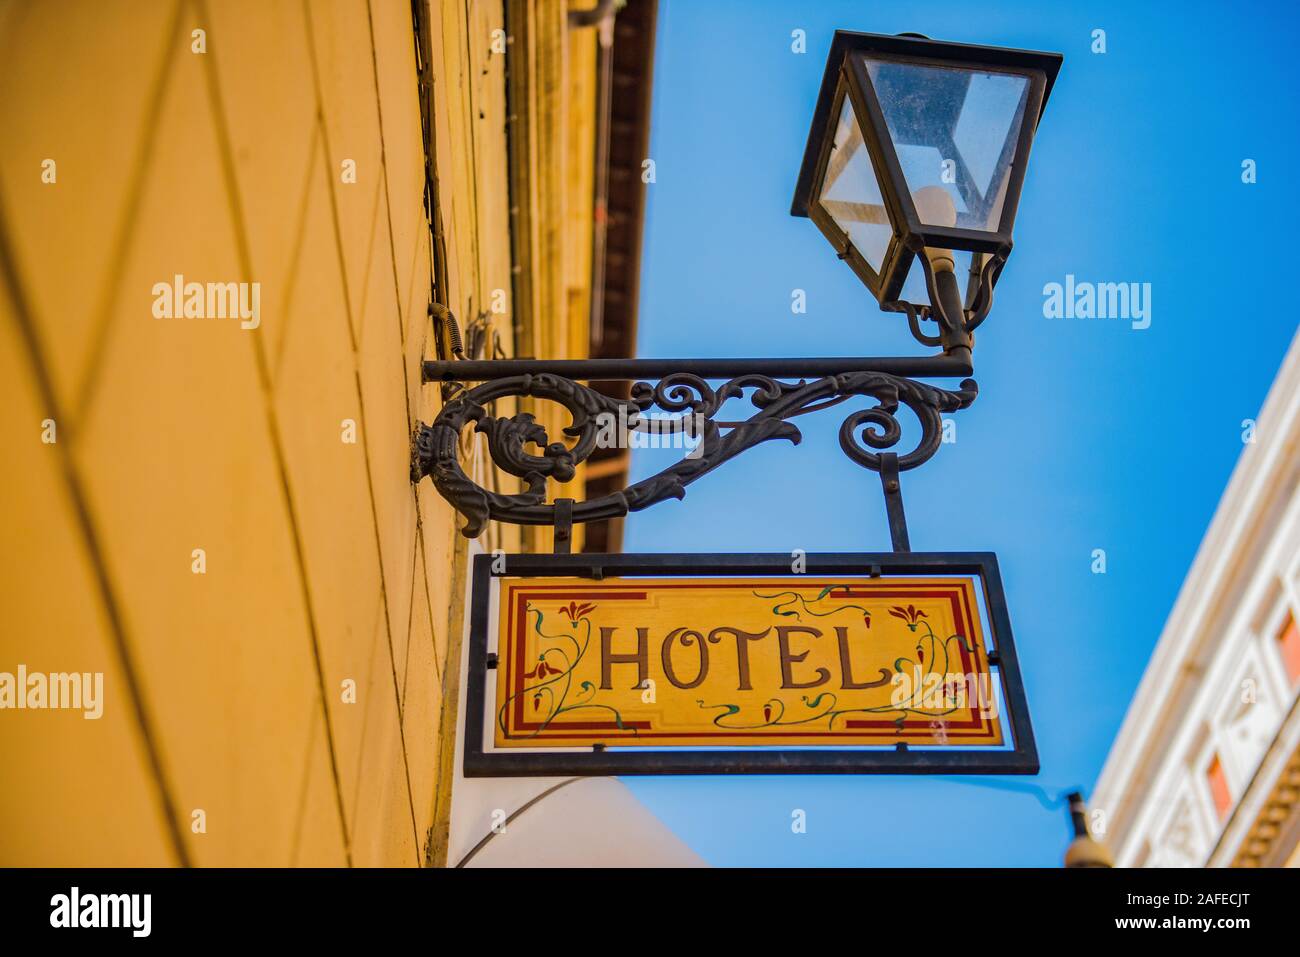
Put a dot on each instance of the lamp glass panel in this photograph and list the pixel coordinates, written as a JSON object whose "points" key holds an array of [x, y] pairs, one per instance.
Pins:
{"points": [[850, 193], [955, 129]]}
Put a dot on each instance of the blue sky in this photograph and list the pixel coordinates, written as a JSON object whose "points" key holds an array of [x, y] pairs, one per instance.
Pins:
{"points": [[1087, 433]]}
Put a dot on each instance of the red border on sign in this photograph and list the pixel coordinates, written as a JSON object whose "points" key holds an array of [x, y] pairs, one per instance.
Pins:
{"points": [[887, 730]]}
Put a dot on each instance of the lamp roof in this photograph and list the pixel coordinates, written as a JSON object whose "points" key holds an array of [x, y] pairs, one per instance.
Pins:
{"points": [[846, 42]]}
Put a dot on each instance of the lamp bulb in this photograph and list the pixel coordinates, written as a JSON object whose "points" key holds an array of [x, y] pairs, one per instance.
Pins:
{"points": [[934, 207]]}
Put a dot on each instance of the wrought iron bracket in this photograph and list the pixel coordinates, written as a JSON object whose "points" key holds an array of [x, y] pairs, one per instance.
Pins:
{"points": [[894, 502], [681, 388]]}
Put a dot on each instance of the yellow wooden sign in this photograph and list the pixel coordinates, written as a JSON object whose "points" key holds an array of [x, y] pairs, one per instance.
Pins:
{"points": [[654, 662]]}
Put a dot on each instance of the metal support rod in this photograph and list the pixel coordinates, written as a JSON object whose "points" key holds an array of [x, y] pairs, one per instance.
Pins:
{"points": [[894, 502], [563, 526], [951, 315], [483, 370]]}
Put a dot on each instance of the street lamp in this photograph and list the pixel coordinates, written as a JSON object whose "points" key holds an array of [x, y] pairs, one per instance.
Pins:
{"points": [[916, 155], [1084, 849]]}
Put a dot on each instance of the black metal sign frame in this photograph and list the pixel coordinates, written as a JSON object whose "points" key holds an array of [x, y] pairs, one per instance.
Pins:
{"points": [[481, 762]]}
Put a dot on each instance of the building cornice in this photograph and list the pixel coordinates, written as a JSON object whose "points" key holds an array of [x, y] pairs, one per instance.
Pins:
{"points": [[1268, 806], [1258, 492]]}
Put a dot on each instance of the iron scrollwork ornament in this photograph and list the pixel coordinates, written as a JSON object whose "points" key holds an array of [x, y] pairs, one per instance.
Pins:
{"points": [[864, 435]]}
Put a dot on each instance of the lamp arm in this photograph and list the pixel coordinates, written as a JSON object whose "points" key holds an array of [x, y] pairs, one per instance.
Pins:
{"points": [[914, 316], [984, 294]]}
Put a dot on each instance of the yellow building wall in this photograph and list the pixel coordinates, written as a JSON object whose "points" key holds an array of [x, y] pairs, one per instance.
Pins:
{"points": [[280, 697], [542, 205]]}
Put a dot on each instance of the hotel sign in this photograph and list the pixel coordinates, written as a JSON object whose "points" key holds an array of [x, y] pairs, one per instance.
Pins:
{"points": [[638, 664], [720, 661]]}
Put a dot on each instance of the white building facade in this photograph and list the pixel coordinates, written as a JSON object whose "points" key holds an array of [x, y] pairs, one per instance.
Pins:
{"points": [[1205, 770]]}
